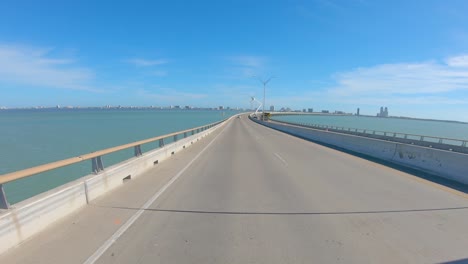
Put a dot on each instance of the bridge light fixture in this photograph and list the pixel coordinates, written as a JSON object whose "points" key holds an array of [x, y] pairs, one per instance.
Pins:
{"points": [[264, 82]]}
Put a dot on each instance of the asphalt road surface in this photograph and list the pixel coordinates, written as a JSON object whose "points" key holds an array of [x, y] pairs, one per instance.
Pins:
{"points": [[250, 194]]}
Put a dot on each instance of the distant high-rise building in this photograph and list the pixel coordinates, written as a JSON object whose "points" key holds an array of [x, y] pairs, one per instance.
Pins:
{"points": [[357, 113], [272, 108], [310, 110], [221, 108], [383, 112], [304, 110]]}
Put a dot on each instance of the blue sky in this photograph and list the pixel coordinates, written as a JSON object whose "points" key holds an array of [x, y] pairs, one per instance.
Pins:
{"points": [[411, 56]]}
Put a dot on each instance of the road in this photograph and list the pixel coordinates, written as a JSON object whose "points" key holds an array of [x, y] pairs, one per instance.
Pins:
{"points": [[256, 195]]}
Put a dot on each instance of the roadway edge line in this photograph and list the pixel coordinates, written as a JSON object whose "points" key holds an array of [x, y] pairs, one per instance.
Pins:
{"points": [[104, 247]]}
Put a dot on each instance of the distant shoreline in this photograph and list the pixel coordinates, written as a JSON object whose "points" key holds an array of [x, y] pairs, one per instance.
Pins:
{"points": [[421, 119], [394, 117], [117, 108]]}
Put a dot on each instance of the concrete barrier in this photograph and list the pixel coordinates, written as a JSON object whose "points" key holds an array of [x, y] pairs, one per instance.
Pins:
{"points": [[442, 163], [29, 217], [456, 145], [114, 176]]}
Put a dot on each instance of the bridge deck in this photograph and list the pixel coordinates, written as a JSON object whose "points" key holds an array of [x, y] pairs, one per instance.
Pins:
{"points": [[256, 195]]}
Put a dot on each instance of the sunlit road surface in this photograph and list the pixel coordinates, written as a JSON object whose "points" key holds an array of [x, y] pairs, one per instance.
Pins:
{"points": [[256, 195]]}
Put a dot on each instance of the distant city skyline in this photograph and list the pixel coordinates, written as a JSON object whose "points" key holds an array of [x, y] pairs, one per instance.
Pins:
{"points": [[182, 107], [189, 107], [410, 56]]}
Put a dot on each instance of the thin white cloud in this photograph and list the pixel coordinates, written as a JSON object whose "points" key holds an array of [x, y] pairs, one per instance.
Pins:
{"points": [[330, 4], [33, 66], [459, 61], [170, 96], [245, 66], [159, 73], [145, 62], [239, 93], [431, 85], [397, 100], [248, 61], [406, 82]]}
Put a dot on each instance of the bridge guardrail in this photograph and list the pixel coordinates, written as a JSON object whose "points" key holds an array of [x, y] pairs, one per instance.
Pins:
{"points": [[450, 144], [96, 158]]}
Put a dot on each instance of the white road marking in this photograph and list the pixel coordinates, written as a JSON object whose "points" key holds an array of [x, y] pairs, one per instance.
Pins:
{"points": [[280, 158], [93, 258]]}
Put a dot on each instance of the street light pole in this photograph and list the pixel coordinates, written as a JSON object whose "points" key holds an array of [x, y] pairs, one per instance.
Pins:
{"points": [[264, 92], [263, 109]]}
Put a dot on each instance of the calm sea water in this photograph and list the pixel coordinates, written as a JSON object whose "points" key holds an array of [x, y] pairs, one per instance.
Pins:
{"points": [[408, 126], [34, 137]]}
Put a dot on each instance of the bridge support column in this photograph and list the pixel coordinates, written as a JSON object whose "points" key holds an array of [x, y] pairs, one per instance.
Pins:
{"points": [[3, 200], [138, 151], [97, 164]]}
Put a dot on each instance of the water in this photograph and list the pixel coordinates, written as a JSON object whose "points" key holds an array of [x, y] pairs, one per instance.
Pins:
{"points": [[33, 137], [407, 126]]}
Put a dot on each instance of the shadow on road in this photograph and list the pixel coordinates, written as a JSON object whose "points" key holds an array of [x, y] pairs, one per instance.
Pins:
{"points": [[458, 261], [286, 213]]}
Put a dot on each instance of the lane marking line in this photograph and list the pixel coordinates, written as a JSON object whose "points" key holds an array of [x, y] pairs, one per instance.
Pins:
{"points": [[280, 158], [101, 250]]}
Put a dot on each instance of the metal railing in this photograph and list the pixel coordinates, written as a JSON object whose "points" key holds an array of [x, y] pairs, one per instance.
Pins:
{"points": [[451, 144], [96, 158]]}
